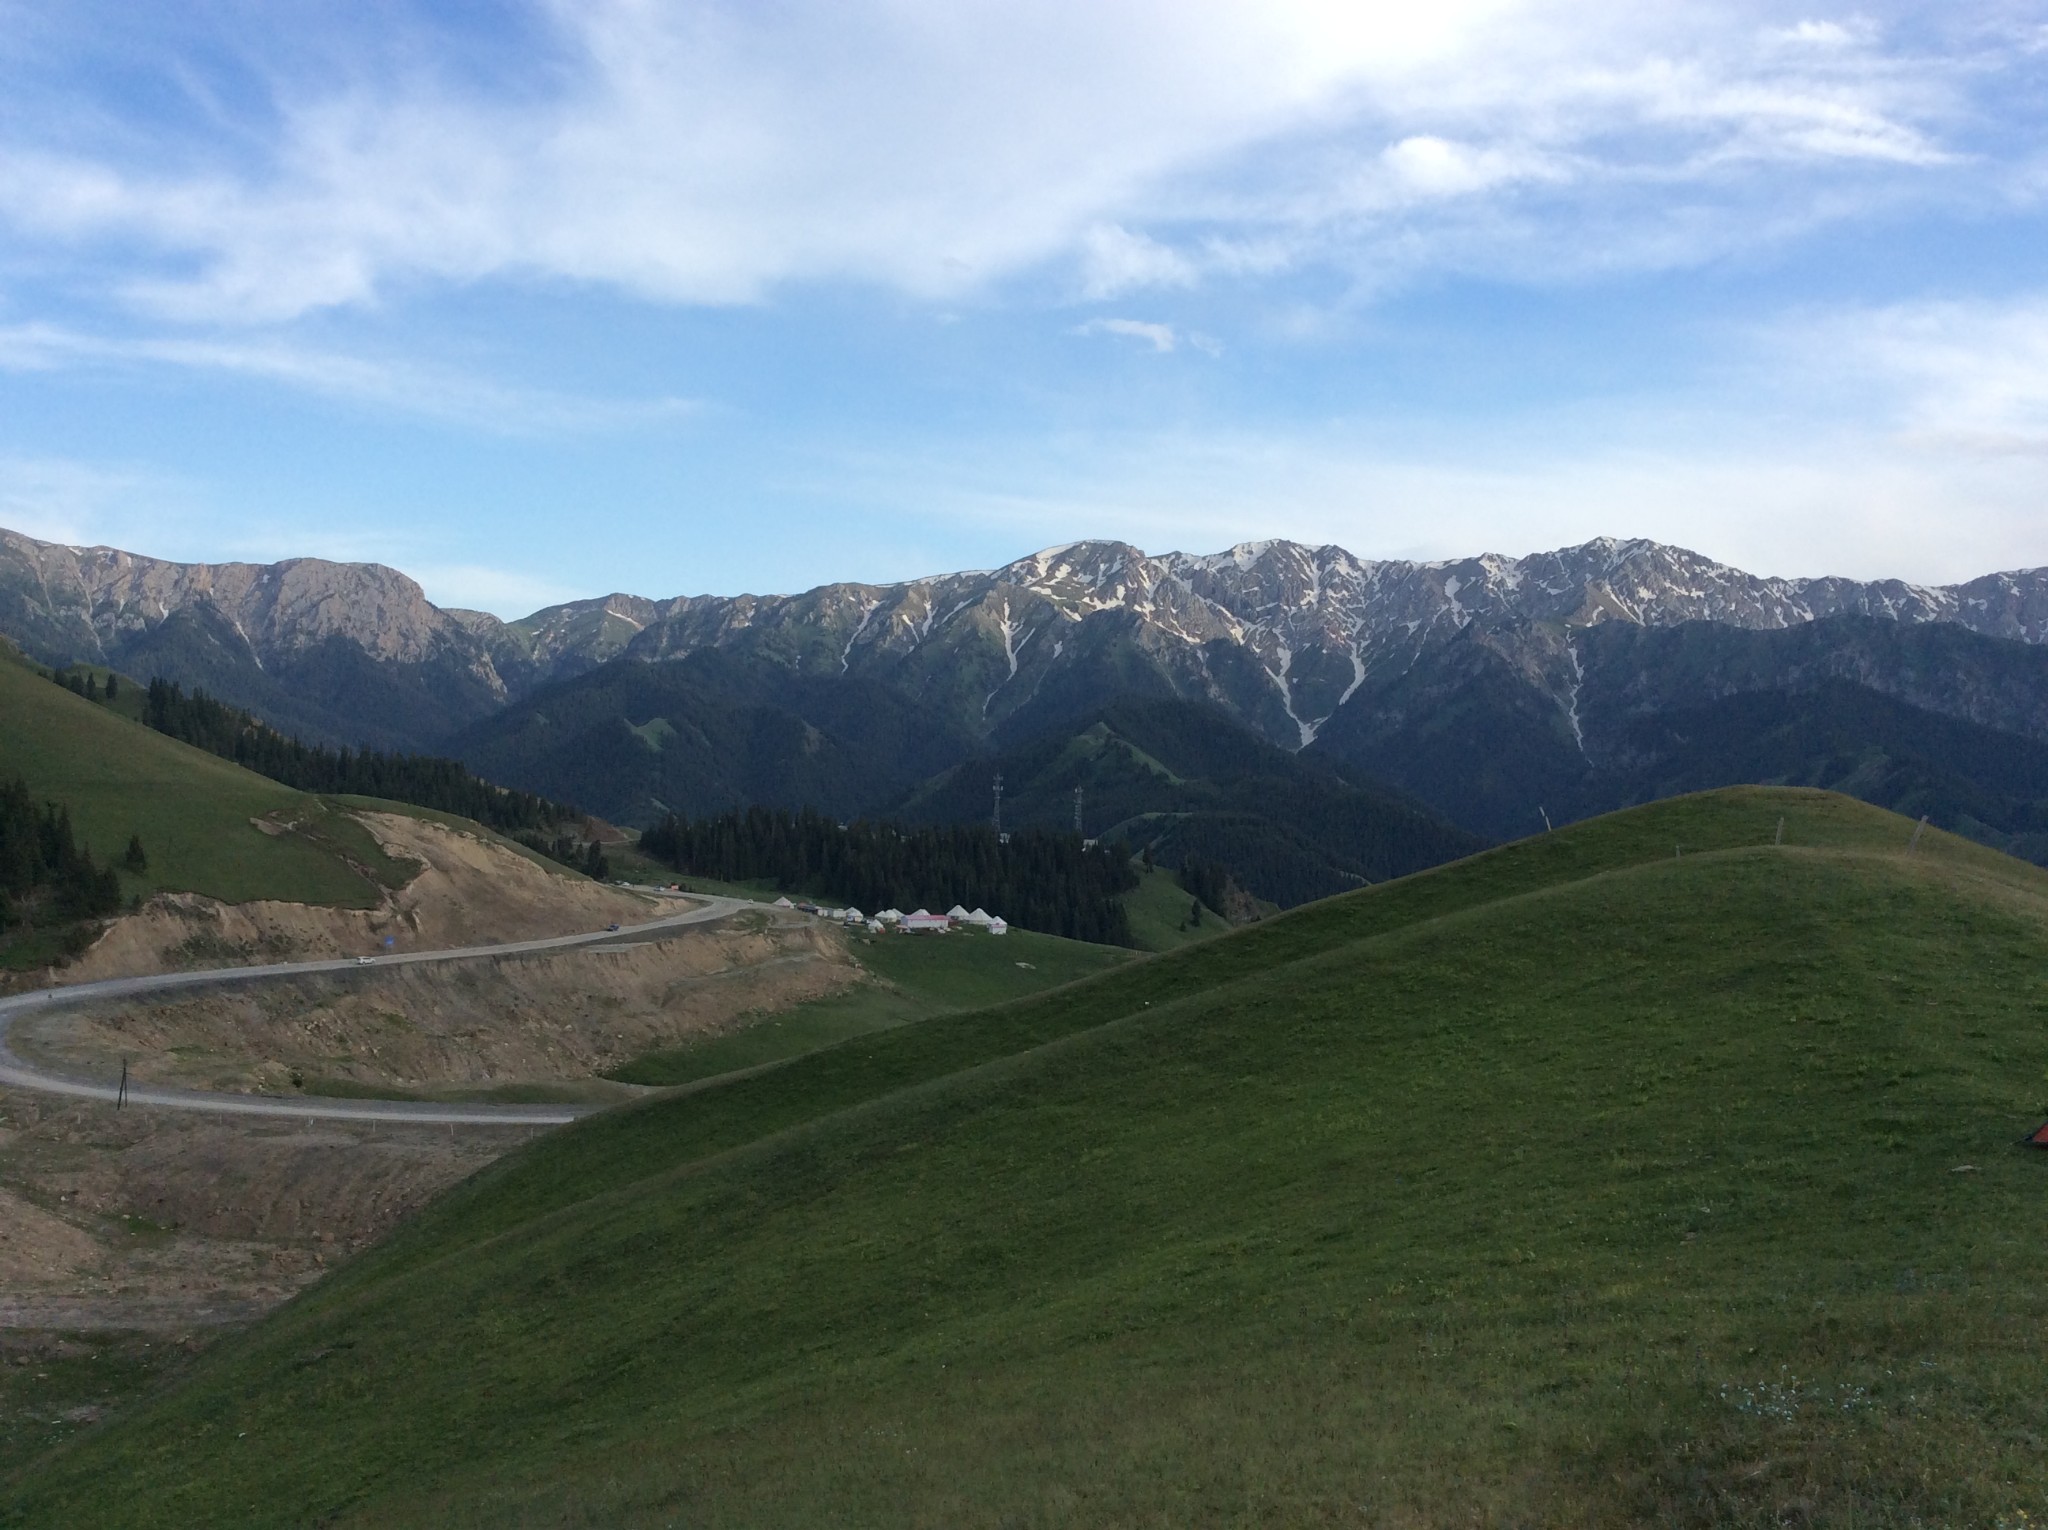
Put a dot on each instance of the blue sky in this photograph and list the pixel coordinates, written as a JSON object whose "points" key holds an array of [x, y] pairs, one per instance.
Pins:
{"points": [[542, 300]]}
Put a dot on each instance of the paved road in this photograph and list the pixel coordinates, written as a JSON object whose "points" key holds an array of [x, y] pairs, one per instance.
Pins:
{"points": [[22, 1075]]}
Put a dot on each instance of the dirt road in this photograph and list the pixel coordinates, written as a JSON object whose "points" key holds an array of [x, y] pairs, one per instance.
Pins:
{"points": [[20, 1074]]}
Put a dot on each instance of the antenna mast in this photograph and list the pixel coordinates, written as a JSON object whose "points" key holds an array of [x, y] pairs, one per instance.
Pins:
{"points": [[998, 819]]}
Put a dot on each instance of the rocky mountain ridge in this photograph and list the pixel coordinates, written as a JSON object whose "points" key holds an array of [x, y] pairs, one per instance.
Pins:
{"points": [[1278, 634]]}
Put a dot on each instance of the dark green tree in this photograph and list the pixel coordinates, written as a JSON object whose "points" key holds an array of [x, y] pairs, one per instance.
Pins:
{"points": [[135, 860], [45, 874], [422, 780], [1033, 878]]}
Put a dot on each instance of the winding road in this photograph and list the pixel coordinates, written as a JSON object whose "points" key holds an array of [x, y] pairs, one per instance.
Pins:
{"points": [[18, 1074]]}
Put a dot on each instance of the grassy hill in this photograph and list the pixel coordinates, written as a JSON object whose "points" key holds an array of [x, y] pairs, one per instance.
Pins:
{"points": [[1648, 1171], [198, 815], [915, 978], [1158, 908]]}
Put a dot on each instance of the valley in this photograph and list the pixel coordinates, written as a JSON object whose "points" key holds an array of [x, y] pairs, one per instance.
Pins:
{"points": [[1662, 1166], [1023, 766], [1607, 1184]]}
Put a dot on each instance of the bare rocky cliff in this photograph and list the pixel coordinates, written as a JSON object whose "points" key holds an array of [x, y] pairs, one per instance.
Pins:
{"points": [[1278, 634]]}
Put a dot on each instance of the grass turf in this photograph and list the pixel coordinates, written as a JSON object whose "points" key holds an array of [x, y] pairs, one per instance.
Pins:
{"points": [[196, 813], [1576, 1183], [914, 977], [1158, 910]]}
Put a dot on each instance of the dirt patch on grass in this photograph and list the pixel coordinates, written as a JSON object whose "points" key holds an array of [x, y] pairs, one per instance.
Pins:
{"points": [[169, 1220], [38, 1249], [544, 1017], [469, 891]]}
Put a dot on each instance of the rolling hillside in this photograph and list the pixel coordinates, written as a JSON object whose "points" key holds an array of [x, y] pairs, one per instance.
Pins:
{"points": [[1649, 1171], [208, 826]]}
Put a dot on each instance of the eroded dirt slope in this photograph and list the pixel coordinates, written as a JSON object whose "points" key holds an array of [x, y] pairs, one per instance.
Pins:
{"points": [[469, 891], [169, 1219], [530, 1018]]}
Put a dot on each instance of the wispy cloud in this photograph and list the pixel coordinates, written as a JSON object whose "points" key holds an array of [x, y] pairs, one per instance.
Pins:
{"points": [[398, 386], [508, 593], [1946, 376], [54, 499], [699, 154], [1162, 338], [1810, 499]]}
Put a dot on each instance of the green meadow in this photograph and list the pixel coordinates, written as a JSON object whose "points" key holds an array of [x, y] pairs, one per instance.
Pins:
{"points": [[207, 825], [1159, 907], [909, 977], [1650, 1171]]}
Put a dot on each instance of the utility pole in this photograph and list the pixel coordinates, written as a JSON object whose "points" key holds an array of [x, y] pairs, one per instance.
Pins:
{"points": [[1077, 812], [998, 819], [121, 1094]]}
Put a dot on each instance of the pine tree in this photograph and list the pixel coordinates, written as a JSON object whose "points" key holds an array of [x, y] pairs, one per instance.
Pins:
{"points": [[135, 860]]}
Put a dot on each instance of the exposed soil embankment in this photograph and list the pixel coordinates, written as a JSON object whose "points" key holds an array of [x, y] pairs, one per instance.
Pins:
{"points": [[166, 1220], [469, 891], [537, 1017]]}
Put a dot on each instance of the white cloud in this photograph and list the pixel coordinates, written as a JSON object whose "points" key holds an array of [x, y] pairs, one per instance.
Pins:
{"points": [[508, 593], [1949, 376], [54, 499], [694, 153], [1160, 337], [397, 386], [1439, 167], [1808, 497], [1116, 261], [1816, 34]]}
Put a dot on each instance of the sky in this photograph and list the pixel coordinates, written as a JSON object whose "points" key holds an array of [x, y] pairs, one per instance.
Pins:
{"points": [[543, 299]]}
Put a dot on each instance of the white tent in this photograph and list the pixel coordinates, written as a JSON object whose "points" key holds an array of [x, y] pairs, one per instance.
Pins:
{"points": [[979, 916], [890, 915], [782, 903], [998, 926]]}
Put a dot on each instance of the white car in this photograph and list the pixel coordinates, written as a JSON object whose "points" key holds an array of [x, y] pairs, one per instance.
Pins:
{"points": [[364, 961]]}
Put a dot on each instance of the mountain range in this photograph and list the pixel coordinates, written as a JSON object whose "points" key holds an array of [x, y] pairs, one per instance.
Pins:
{"points": [[1498, 693]]}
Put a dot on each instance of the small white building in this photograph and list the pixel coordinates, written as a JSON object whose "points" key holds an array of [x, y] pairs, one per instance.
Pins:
{"points": [[890, 915], [782, 903], [998, 926], [875, 927], [854, 916], [922, 923]]}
